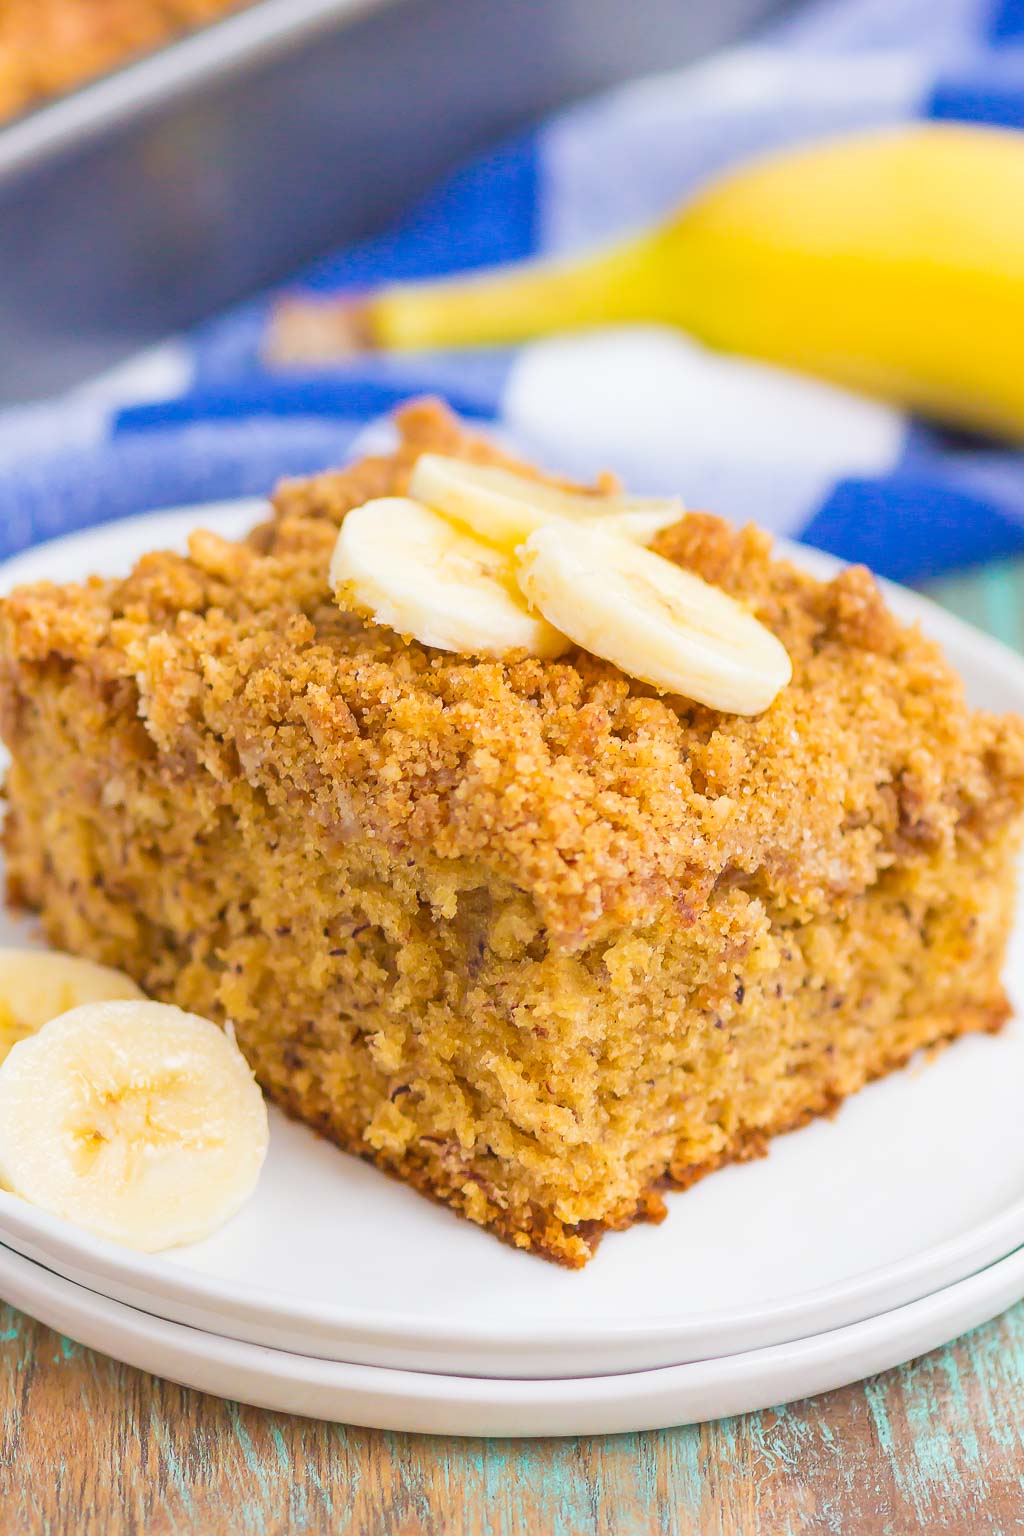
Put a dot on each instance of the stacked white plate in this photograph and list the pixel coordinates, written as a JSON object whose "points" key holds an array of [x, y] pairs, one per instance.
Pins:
{"points": [[857, 1244]]}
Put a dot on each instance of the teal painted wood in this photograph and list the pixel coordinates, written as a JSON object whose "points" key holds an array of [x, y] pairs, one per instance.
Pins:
{"points": [[89, 1447], [92, 1447], [991, 597]]}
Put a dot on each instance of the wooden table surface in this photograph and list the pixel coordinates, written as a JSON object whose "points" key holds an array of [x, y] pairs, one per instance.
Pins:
{"points": [[93, 1448]]}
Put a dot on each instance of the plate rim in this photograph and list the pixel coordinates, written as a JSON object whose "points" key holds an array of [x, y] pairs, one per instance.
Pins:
{"points": [[143, 1281], [424, 1402]]}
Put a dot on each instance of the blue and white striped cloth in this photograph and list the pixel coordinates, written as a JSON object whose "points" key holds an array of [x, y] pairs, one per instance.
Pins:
{"points": [[199, 418]]}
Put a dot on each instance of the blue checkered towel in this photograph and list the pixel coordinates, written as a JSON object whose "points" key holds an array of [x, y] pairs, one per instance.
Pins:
{"points": [[198, 418]]}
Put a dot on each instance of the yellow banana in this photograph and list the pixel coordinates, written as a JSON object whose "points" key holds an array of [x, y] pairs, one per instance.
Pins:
{"points": [[891, 261]]}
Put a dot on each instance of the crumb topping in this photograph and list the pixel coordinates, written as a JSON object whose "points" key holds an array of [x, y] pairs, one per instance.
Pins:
{"points": [[607, 804]]}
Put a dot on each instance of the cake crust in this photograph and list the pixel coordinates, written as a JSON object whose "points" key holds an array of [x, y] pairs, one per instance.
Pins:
{"points": [[524, 933], [606, 803]]}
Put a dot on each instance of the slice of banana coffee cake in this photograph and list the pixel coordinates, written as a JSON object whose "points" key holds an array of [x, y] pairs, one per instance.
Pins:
{"points": [[547, 847]]}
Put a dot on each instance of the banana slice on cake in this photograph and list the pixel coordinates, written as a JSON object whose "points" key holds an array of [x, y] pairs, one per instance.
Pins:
{"points": [[408, 567], [36, 985], [133, 1119], [659, 623], [504, 508]]}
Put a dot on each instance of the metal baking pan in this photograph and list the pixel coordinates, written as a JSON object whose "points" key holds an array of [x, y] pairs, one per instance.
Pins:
{"points": [[176, 185]]}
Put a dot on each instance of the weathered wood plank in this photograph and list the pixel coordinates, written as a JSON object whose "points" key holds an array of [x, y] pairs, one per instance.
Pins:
{"points": [[91, 1447]]}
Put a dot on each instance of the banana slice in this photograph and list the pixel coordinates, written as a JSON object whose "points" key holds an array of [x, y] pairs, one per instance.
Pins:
{"points": [[133, 1119], [36, 985], [411, 569], [655, 621], [505, 508]]}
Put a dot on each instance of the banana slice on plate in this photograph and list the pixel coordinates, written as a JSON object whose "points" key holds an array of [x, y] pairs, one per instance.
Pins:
{"points": [[409, 568], [133, 1119], [37, 984], [659, 623], [505, 508]]}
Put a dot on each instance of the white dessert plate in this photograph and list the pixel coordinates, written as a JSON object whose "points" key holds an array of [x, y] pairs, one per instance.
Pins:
{"points": [[917, 1183], [426, 1403]]}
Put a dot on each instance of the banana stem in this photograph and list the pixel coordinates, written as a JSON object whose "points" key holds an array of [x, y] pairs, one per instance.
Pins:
{"points": [[510, 304]]}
